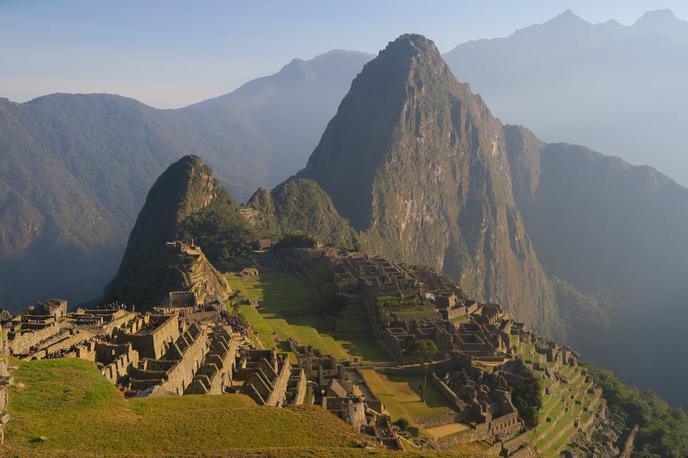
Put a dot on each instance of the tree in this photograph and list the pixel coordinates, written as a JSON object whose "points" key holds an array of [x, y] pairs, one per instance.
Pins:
{"points": [[423, 350], [527, 398]]}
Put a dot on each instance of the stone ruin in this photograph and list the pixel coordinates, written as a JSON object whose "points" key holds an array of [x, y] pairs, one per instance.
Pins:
{"points": [[340, 388], [189, 278], [144, 354], [266, 375], [476, 342], [180, 348]]}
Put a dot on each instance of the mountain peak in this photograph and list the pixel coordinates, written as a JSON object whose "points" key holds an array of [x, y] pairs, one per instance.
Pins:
{"points": [[188, 161], [187, 204], [410, 154], [567, 18], [663, 23], [413, 41], [411, 45], [657, 17]]}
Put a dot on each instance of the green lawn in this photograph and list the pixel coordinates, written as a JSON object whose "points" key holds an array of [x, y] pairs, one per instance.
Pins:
{"points": [[289, 310]]}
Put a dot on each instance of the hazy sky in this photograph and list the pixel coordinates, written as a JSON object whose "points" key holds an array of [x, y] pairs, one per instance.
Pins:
{"points": [[169, 53]]}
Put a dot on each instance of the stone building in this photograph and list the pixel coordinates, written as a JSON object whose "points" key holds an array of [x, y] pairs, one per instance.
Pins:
{"points": [[174, 371], [266, 374], [154, 338], [216, 373]]}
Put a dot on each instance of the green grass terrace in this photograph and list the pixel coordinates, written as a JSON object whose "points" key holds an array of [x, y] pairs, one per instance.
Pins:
{"points": [[289, 309]]}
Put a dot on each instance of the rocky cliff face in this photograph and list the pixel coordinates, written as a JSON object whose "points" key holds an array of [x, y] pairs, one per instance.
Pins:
{"points": [[186, 202], [418, 165]]}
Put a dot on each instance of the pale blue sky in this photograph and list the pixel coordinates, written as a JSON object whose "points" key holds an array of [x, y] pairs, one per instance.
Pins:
{"points": [[170, 53]]}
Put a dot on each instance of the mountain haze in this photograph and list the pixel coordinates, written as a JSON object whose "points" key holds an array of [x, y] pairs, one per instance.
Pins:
{"points": [[614, 88], [75, 168], [609, 227]]}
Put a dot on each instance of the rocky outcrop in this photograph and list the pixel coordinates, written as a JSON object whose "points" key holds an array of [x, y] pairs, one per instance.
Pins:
{"points": [[185, 203], [418, 165]]}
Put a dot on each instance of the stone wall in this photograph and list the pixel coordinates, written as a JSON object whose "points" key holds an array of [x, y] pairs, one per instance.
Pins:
{"points": [[267, 381], [301, 389], [216, 372], [182, 373], [174, 372], [117, 360], [152, 343], [445, 390], [437, 420], [65, 343], [512, 445], [22, 342], [5, 381], [463, 437]]}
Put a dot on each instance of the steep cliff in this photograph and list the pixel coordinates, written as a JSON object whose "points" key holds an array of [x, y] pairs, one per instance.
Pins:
{"points": [[187, 203], [418, 165]]}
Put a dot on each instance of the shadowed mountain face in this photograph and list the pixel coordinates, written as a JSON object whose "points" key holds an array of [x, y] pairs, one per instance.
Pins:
{"points": [[605, 225], [418, 165], [616, 89], [75, 169]]}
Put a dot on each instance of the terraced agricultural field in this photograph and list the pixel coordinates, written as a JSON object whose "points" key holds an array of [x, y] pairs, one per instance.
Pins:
{"points": [[289, 310], [564, 412]]}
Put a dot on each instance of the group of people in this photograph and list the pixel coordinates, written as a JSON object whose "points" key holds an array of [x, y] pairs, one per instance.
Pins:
{"points": [[235, 324], [118, 306], [56, 355]]}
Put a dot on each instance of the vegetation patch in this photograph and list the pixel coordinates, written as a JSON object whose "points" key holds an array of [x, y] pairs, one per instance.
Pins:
{"points": [[663, 430]]}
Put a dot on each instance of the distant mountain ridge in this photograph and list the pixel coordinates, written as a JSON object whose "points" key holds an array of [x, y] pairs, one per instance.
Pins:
{"points": [[615, 229], [75, 168], [614, 88]]}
